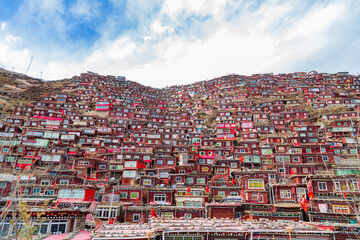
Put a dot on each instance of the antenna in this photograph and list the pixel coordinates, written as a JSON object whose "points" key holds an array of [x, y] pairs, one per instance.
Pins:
{"points": [[29, 65], [41, 75]]}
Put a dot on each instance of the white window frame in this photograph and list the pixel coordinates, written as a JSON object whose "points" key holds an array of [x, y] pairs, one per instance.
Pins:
{"points": [[321, 186], [136, 218], [159, 197], [285, 193]]}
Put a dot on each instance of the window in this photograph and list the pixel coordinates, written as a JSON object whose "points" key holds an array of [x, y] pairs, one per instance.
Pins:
{"points": [[325, 158], [134, 195], [164, 174], [256, 183], [64, 181], [147, 182], [220, 171], [200, 180], [130, 164], [233, 165], [49, 192], [178, 179], [285, 193], [167, 214], [187, 215], [322, 186], [160, 198], [170, 162], [300, 192], [78, 193], [221, 193], [308, 150], [45, 182], [123, 195], [281, 170], [129, 174], [136, 217], [310, 159], [353, 185], [36, 190], [190, 180], [3, 184], [204, 169], [159, 162], [341, 186], [341, 209]]}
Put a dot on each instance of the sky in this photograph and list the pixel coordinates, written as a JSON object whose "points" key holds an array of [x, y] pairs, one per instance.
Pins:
{"points": [[173, 42]]}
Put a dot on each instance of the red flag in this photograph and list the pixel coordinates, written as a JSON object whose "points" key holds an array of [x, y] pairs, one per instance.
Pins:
{"points": [[111, 221], [311, 194], [292, 172], [175, 191], [56, 204], [304, 203], [241, 159], [188, 190], [207, 189], [21, 191], [54, 185], [136, 200], [309, 186], [345, 195], [293, 190], [153, 213], [228, 183], [8, 202], [233, 181], [106, 178]]}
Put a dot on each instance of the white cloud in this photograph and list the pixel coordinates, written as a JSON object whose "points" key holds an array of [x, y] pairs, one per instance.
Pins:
{"points": [[85, 8], [3, 26], [237, 37]]}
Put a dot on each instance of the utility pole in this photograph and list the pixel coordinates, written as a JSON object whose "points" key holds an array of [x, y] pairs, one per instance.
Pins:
{"points": [[12, 71]]}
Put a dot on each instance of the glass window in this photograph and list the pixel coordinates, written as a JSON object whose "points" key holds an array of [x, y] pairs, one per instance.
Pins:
{"points": [[64, 181], [36, 190], [136, 217], [322, 186], [134, 195], [160, 198], [256, 183], [78, 193], [189, 180], [285, 193], [123, 194], [200, 180], [147, 182]]}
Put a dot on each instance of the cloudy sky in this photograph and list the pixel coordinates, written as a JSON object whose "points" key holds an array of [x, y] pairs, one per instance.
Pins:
{"points": [[170, 42]]}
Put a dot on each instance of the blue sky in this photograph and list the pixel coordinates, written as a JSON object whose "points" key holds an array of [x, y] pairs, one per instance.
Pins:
{"points": [[170, 42]]}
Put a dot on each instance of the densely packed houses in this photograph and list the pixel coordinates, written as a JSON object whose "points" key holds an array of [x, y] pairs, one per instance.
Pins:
{"points": [[279, 147]]}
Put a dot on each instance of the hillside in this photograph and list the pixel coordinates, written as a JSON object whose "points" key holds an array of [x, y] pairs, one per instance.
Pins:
{"points": [[270, 147]]}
